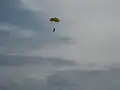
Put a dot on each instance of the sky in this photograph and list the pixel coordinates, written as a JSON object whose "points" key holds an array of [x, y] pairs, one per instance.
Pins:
{"points": [[88, 31], [83, 49]]}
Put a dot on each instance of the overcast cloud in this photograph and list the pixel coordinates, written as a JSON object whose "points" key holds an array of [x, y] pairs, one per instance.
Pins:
{"points": [[94, 25], [32, 57], [90, 29]]}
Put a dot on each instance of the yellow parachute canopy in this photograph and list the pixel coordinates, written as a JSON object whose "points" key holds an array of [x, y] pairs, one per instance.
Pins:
{"points": [[55, 19]]}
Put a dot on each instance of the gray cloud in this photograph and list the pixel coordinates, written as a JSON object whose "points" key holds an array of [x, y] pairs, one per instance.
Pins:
{"points": [[86, 80], [12, 13], [21, 30], [14, 60], [94, 24], [68, 80]]}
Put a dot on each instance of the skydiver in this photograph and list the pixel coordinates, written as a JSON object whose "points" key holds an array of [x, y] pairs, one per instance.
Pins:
{"points": [[53, 29], [54, 20]]}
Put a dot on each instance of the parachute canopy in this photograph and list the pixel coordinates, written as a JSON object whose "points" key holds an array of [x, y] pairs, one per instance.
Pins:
{"points": [[55, 19]]}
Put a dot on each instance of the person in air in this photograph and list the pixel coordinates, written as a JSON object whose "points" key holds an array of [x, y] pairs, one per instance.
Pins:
{"points": [[54, 20], [53, 29]]}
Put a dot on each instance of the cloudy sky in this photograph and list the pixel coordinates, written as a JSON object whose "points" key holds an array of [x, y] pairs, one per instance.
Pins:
{"points": [[30, 52], [88, 31]]}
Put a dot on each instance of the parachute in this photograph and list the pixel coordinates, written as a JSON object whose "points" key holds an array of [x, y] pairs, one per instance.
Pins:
{"points": [[54, 20]]}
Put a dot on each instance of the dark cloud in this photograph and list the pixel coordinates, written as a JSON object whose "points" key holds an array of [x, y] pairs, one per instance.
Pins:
{"points": [[13, 15], [3, 37], [11, 12], [14, 60]]}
